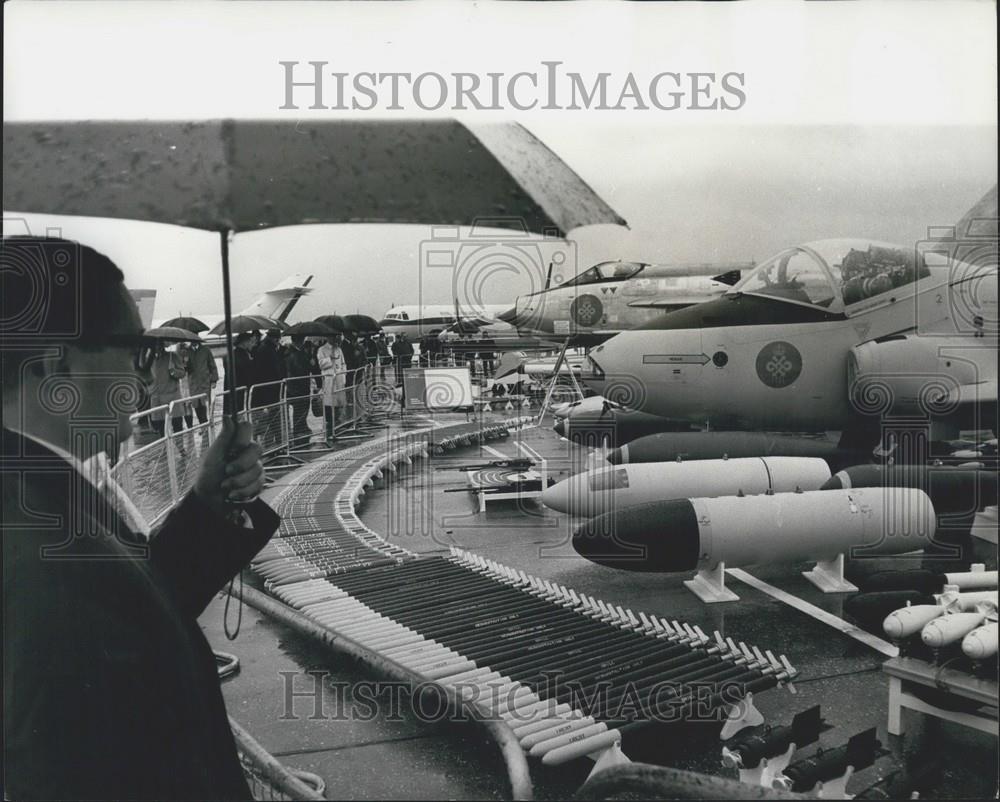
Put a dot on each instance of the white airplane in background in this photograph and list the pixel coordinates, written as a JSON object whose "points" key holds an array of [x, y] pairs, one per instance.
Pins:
{"points": [[613, 296], [417, 320], [277, 303]]}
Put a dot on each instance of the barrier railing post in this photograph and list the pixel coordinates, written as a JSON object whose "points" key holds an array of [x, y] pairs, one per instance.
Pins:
{"points": [[168, 433]]}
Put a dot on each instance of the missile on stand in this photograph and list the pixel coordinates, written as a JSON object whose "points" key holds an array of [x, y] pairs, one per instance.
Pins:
{"points": [[605, 489], [700, 533], [671, 446]]}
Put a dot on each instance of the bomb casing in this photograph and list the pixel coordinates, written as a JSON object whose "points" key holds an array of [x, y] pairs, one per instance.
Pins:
{"points": [[981, 643], [609, 488], [698, 533]]}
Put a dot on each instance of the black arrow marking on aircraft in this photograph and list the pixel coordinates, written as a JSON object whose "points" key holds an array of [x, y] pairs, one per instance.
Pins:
{"points": [[676, 359]]}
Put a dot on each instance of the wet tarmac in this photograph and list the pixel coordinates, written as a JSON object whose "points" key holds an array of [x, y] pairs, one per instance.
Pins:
{"points": [[318, 712]]}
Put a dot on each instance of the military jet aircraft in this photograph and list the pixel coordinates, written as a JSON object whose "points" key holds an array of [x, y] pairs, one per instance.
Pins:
{"points": [[613, 296], [822, 333]]}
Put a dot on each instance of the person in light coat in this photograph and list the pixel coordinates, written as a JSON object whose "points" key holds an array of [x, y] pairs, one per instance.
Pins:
{"points": [[333, 366]]}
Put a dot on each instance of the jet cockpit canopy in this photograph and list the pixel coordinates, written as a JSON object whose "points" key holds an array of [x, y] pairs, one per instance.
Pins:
{"points": [[834, 274], [606, 271]]}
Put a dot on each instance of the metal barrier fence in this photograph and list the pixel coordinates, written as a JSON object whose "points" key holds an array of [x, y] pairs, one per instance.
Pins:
{"points": [[159, 464]]}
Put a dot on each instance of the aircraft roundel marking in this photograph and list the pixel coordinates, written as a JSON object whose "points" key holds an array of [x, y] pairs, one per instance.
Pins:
{"points": [[779, 364], [587, 310]]}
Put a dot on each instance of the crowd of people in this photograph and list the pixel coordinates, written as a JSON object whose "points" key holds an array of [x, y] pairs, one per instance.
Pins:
{"points": [[322, 373]]}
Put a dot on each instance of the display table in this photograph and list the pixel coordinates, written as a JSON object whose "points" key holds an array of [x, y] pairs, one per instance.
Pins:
{"points": [[907, 672]]}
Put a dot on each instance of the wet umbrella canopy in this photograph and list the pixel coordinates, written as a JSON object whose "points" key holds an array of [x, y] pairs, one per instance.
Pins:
{"points": [[228, 175], [231, 176]]}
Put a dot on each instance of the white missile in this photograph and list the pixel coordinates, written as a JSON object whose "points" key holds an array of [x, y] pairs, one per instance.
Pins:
{"points": [[616, 487], [700, 533], [909, 620], [948, 629], [981, 643]]}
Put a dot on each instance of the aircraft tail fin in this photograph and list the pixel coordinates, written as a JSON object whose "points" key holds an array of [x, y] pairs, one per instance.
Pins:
{"points": [[279, 301]]}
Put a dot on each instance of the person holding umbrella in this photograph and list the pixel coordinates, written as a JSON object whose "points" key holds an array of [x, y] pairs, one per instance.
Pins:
{"points": [[202, 376], [167, 369], [269, 368], [334, 369], [299, 366], [111, 689], [384, 357], [402, 350], [243, 373]]}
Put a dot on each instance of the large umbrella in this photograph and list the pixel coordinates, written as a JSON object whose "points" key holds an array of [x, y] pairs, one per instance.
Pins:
{"points": [[188, 323], [230, 176]]}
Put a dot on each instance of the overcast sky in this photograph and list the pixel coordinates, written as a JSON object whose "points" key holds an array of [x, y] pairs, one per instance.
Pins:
{"points": [[861, 120]]}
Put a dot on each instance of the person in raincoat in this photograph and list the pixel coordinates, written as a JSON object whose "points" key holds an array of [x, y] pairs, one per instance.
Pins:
{"points": [[167, 369], [202, 376], [333, 366]]}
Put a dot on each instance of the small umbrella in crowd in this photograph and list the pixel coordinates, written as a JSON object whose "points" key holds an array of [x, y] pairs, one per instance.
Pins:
{"points": [[309, 328], [187, 323], [171, 334], [241, 323], [335, 322], [362, 324], [269, 322]]}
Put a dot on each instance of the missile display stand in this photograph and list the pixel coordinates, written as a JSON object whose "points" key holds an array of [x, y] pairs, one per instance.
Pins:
{"points": [[828, 576], [506, 485], [709, 585], [905, 672]]}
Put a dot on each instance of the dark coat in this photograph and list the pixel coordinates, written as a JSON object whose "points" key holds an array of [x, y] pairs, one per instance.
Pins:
{"points": [[246, 376], [269, 366], [299, 363], [110, 688]]}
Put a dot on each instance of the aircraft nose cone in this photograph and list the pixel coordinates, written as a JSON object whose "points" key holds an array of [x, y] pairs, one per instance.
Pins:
{"points": [[618, 456], [657, 537], [559, 427], [557, 496], [509, 316]]}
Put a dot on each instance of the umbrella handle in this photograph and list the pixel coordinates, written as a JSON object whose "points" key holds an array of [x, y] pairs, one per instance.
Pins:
{"points": [[227, 310]]}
